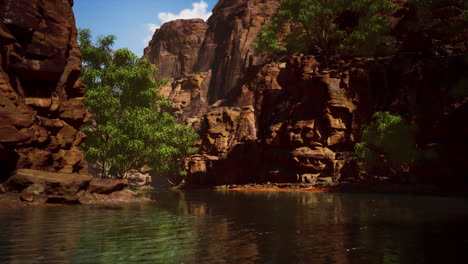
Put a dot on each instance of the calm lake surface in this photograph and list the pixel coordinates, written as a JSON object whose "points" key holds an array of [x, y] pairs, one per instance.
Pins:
{"points": [[242, 227]]}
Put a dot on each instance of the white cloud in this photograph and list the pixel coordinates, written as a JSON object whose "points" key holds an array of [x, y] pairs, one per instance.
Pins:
{"points": [[152, 27], [199, 10]]}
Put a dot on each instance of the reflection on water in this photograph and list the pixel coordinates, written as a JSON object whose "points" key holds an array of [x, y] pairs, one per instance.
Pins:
{"points": [[242, 227]]}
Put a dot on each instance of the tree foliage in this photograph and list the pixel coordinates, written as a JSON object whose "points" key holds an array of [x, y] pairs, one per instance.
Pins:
{"points": [[131, 127], [387, 143], [315, 26], [423, 14]]}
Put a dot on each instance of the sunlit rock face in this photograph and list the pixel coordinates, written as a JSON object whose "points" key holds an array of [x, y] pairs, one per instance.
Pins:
{"points": [[227, 48], [220, 50], [175, 46], [188, 95], [41, 95]]}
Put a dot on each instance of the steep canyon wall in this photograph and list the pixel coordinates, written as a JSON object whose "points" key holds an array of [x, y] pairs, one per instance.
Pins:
{"points": [[41, 95]]}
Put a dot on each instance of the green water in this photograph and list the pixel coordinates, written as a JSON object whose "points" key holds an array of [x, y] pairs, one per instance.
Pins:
{"points": [[242, 227]]}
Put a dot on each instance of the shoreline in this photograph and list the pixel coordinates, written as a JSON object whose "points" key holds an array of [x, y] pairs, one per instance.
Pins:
{"points": [[375, 188], [11, 200]]}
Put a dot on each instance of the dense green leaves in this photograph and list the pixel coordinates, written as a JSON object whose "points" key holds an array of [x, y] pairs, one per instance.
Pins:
{"points": [[129, 129], [389, 137], [314, 27], [388, 146], [423, 14]]}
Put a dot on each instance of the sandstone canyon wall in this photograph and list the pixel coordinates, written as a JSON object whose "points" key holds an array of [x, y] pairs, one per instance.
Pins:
{"points": [[41, 95], [175, 47], [293, 120], [214, 55]]}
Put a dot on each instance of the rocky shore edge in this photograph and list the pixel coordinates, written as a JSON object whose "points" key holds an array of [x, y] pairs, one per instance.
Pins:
{"points": [[374, 187], [27, 187]]}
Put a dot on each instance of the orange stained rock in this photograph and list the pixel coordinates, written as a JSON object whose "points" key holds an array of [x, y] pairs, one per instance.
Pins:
{"points": [[261, 189]]}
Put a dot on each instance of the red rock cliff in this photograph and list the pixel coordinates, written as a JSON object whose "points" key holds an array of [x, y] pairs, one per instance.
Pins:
{"points": [[294, 121], [225, 49], [41, 95]]}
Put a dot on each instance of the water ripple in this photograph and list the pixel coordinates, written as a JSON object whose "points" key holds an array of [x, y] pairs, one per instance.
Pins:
{"points": [[227, 227]]}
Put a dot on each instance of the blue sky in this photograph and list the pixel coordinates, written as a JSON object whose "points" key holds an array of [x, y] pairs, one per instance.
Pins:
{"points": [[134, 21]]}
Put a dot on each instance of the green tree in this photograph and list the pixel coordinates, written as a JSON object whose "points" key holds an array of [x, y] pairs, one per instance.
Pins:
{"points": [[314, 27], [423, 14], [387, 145], [131, 127]]}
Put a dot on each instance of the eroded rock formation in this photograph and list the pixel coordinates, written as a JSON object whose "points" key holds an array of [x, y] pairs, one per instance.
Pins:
{"points": [[34, 187], [295, 121], [41, 95]]}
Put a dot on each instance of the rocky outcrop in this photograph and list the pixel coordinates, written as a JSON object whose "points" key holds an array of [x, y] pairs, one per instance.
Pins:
{"points": [[41, 95], [189, 97], [106, 186], [32, 187], [41, 182], [175, 46], [225, 127]]}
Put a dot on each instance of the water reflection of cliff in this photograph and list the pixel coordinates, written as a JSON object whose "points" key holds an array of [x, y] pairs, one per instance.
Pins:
{"points": [[295, 228], [239, 227], [291, 227]]}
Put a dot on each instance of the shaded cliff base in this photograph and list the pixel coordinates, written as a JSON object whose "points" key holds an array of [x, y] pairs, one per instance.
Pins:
{"points": [[292, 123]]}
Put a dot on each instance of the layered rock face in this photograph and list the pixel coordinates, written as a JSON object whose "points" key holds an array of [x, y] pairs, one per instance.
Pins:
{"points": [[295, 125], [307, 121], [294, 121], [41, 95], [189, 96]]}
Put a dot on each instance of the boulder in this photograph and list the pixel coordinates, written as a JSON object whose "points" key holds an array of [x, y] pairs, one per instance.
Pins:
{"points": [[61, 184], [124, 196], [9, 134], [27, 196], [137, 179], [35, 188], [85, 197], [106, 186], [316, 153]]}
